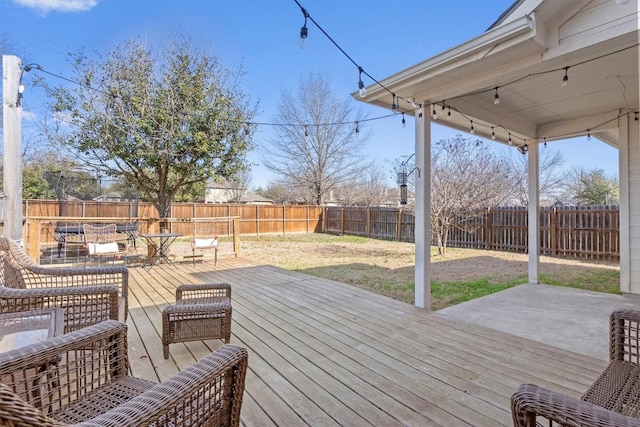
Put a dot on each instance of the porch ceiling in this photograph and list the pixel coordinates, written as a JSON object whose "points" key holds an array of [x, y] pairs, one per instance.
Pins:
{"points": [[525, 59]]}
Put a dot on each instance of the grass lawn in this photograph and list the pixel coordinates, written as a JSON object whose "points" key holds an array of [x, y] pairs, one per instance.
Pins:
{"points": [[387, 267]]}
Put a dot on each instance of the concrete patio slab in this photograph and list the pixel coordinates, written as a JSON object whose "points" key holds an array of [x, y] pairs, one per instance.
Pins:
{"points": [[567, 318]]}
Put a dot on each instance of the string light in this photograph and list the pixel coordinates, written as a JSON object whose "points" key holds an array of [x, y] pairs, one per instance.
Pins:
{"points": [[510, 140], [304, 32], [357, 129], [393, 103], [588, 134], [496, 98], [545, 142], [565, 79], [493, 134], [472, 130], [404, 123], [449, 113], [636, 118], [420, 112], [361, 90], [434, 115]]}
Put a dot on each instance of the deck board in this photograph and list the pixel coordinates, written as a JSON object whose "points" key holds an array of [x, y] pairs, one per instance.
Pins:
{"points": [[326, 353]]}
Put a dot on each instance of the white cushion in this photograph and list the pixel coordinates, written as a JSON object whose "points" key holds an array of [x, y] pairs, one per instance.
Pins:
{"points": [[200, 243], [103, 248]]}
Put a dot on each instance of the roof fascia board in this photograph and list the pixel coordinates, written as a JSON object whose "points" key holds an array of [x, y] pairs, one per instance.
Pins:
{"points": [[460, 53]]}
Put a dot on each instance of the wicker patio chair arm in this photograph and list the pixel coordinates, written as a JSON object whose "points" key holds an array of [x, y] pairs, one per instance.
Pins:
{"points": [[531, 401], [623, 335], [204, 290], [73, 364], [40, 277], [187, 399]]}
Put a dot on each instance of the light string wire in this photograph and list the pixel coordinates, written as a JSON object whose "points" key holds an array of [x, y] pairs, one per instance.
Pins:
{"points": [[495, 88], [395, 96]]}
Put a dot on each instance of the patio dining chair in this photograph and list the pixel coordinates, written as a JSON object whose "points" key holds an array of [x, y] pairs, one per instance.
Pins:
{"points": [[102, 242], [82, 378], [612, 400]]}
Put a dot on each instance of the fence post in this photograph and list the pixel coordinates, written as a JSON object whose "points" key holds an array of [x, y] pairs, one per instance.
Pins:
{"points": [[367, 224], [284, 220], [33, 239], [307, 206], [488, 232], [236, 236], [399, 225], [257, 221], [553, 224]]}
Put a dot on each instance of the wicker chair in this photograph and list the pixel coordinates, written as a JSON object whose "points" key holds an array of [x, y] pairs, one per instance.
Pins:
{"points": [[201, 312], [612, 400], [88, 295], [81, 378], [102, 242]]}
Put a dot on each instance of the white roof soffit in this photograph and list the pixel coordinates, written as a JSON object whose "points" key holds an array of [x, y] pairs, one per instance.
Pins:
{"points": [[446, 65]]}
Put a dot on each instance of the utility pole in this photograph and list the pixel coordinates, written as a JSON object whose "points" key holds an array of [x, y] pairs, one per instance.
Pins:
{"points": [[12, 131]]}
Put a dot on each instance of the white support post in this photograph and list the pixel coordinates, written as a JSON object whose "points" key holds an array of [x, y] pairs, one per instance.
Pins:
{"points": [[422, 176], [12, 160], [624, 136], [533, 212]]}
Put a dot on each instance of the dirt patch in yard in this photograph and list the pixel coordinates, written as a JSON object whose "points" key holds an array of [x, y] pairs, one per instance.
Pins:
{"points": [[387, 267]]}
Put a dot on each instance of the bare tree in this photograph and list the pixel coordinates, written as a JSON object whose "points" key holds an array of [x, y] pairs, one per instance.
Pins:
{"points": [[318, 148], [240, 184], [552, 177], [369, 189], [466, 178]]}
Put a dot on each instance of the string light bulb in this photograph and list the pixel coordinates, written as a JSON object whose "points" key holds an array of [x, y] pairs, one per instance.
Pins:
{"points": [[510, 141], [545, 142], [304, 32], [636, 118], [434, 115], [361, 90], [496, 98], [493, 134], [588, 134], [472, 130], [394, 107], [357, 129], [565, 79], [404, 122], [420, 112], [448, 113]]}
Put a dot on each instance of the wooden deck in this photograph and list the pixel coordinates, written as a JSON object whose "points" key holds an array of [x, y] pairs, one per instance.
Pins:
{"points": [[324, 353]]}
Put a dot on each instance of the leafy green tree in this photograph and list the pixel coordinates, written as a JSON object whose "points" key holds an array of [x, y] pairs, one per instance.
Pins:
{"points": [[162, 122], [592, 187]]}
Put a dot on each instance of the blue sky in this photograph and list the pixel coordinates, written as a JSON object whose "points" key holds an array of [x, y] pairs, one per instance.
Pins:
{"points": [[383, 36]]}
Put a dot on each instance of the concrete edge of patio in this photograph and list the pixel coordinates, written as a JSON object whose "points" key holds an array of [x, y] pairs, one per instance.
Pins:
{"points": [[567, 318]]}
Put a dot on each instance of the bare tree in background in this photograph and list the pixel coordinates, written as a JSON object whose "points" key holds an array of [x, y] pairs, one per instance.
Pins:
{"points": [[240, 184], [318, 149], [551, 176], [371, 188]]}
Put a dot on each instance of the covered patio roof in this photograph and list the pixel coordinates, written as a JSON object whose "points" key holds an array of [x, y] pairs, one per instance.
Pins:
{"points": [[523, 58], [560, 69]]}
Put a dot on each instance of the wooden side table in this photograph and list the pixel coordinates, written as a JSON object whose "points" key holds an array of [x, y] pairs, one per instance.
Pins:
{"points": [[28, 327]]}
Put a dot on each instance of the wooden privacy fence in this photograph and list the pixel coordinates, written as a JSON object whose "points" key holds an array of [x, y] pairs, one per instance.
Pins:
{"points": [[254, 219], [583, 232]]}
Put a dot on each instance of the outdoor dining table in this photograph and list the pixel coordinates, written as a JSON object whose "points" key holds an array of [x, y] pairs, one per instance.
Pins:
{"points": [[160, 242]]}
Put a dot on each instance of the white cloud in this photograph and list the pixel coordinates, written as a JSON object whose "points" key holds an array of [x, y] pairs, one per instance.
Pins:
{"points": [[45, 6]]}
